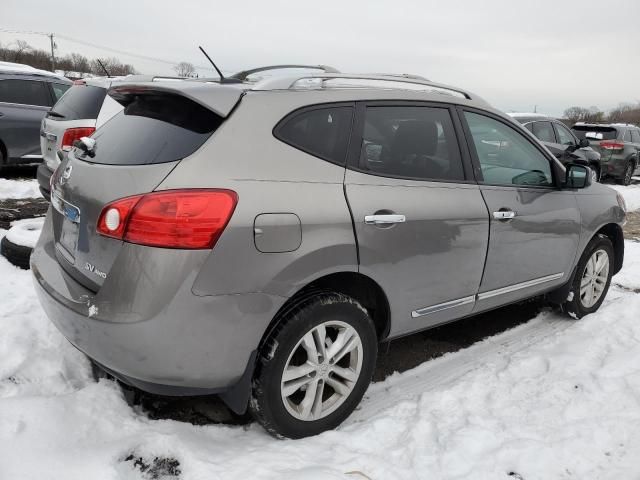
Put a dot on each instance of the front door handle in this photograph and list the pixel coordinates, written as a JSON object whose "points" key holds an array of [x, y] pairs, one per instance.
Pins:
{"points": [[384, 219], [504, 214]]}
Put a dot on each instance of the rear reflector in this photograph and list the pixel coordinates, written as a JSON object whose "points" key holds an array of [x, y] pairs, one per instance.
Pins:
{"points": [[189, 219], [611, 145], [73, 134]]}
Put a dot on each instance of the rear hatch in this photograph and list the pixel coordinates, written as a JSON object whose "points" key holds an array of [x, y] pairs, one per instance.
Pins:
{"points": [[78, 109], [601, 138], [133, 153]]}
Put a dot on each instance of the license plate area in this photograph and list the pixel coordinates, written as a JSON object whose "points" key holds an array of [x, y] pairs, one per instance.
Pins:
{"points": [[70, 226]]}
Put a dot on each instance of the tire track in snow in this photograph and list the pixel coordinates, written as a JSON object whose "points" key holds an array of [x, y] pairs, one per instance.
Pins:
{"points": [[452, 366]]}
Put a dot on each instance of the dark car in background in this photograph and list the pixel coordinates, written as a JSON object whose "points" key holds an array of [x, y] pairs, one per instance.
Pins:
{"points": [[618, 145], [559, 139], [26, 94]]}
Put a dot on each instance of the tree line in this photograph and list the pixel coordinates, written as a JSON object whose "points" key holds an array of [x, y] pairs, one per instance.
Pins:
{"points": [[623, 113], [21, 52]]}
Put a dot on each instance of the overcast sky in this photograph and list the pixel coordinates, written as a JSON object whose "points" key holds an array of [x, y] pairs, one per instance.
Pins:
{"points": [[516, 54]]}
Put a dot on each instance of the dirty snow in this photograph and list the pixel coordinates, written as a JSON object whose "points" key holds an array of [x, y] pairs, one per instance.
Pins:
{"points": [[550, 399], [25, 232], [631, 194]]}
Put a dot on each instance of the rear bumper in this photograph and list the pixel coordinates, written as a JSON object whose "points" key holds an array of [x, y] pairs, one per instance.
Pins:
{"points": [[44, 177], [182, 344]]}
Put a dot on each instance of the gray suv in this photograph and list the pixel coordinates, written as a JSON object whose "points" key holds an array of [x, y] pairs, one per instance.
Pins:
{"points": [[619, 146], [259, 240], [26, 94]]}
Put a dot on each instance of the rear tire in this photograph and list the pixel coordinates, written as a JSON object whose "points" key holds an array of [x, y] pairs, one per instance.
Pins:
{"points": [[302, 386], [628, 173], [592, 280]]}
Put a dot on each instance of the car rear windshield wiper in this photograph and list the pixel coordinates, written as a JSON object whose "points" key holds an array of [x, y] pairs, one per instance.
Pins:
{"points": [[51, 113]]}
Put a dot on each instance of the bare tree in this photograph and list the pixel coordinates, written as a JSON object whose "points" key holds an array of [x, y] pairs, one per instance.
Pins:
{"points": [[21, 48], [185, 69]]}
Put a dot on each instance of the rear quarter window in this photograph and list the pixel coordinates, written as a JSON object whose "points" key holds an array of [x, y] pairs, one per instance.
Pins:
{"points": [[320, 131], [153, 128], [79, 102]]}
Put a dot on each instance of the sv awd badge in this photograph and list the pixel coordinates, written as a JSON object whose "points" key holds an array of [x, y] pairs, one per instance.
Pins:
{"points": [[93, 269]]}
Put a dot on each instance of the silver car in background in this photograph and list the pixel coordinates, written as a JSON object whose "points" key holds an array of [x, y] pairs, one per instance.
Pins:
{"points": [[259, 240]]}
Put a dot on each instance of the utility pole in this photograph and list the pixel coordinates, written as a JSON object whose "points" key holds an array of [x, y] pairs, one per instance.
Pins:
{"points": [[53, 58]]}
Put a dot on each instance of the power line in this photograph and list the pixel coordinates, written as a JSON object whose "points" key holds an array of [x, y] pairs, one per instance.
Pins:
{"points": [[102, 47]]}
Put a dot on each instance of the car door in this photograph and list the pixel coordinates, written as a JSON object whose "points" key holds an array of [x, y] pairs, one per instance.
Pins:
{"points": [[23, 104], [568, 142], [420, 221], [534, 226]]}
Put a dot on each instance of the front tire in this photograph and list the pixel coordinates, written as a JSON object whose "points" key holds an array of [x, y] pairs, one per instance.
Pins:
{"points": [[315, 366], [592, 280]]}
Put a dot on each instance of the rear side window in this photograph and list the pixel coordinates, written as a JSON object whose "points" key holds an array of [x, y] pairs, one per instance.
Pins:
{"points": [[626, 137], [635, 136], [153, 128], [564, 135], [544, 132], [79, 102], [59, 90], [594, 132], [25, 92], [323, 132], [410, 142]]}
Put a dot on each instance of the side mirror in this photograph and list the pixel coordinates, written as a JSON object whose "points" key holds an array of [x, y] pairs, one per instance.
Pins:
{"points": [[583, 143], [578, 176]]}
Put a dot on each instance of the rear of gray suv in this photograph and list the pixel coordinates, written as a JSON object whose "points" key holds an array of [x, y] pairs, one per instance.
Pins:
{"points": [[257, 241]]}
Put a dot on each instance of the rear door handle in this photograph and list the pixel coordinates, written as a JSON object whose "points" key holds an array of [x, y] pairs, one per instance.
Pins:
{"points": [[504, 214], [384, 219]]}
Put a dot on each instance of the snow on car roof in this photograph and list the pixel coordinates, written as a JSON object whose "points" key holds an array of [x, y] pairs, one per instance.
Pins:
{"points": [[10, 67]]}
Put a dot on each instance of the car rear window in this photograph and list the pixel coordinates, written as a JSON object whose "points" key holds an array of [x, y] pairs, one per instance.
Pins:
{"points": [[79, 102], [591, 132], [153, 128]]}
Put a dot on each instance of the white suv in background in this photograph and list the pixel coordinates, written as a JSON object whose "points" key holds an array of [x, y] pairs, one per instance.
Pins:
{"points": [[81, 110]]}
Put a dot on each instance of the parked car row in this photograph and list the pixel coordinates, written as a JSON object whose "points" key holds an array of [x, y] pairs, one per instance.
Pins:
{"points": [[610, 150], [258, 240]]}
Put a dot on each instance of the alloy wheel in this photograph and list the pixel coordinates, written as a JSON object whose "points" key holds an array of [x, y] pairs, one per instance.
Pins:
{"points": [[322, 370], [594, 278]]}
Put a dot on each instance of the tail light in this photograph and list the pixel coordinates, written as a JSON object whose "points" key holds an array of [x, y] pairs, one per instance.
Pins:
{"points": [[611, 145], [79, 82], [189, 219], [73, 134]]}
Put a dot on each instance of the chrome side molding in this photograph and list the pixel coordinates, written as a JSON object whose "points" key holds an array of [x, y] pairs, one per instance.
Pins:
{"points": [[484, 295]]}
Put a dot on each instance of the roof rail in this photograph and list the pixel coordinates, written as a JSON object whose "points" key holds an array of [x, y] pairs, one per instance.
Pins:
{"points": [[410, 76], [242, 76], [288, 83]]}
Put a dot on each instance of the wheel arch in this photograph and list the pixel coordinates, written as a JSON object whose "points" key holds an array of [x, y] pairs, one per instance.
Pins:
{"points": [[353, 284], [613, 232], [4, 153]]}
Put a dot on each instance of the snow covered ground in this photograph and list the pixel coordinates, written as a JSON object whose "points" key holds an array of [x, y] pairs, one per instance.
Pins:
{"points": [[551, 399], [19, 189]]}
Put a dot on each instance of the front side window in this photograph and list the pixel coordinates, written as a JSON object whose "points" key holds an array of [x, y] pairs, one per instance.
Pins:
{"points": [[506, 157], [323, 132], [564, 135], [410, 142], [544, 132], [627, 136], [25, 92]]}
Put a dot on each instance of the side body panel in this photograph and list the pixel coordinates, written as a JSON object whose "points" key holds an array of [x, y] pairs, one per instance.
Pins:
{"points": [[19, 131], [435, 257]]}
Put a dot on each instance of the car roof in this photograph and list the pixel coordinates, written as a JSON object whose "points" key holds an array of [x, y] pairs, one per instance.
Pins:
{"points": [[334, 87], [21, 70], [606, 125]]}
